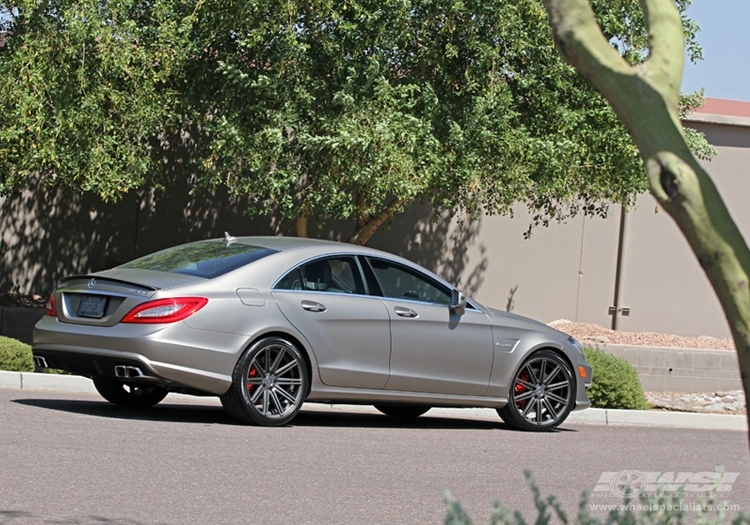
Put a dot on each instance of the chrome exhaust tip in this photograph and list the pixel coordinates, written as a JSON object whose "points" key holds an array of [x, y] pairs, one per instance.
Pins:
{"points": [[40, 362], [128, 372]]}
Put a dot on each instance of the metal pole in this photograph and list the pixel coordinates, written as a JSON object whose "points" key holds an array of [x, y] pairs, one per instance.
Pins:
{"points": [[618, 271]]}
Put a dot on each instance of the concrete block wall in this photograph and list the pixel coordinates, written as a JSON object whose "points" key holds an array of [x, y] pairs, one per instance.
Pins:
{"points": [[18, 323], [681, 369]]}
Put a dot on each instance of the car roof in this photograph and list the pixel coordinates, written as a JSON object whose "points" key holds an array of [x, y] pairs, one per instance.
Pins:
{"points": [[312, 248], [291, 243], [320, 247]]}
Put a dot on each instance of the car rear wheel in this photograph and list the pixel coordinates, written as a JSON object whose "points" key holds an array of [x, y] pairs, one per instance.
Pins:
{"points": [[402, 411], [541, 395], [129, 395], [269, 384]]}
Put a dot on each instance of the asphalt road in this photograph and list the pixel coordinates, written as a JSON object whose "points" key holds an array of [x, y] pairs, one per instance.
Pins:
{"points": [[75, 459]]}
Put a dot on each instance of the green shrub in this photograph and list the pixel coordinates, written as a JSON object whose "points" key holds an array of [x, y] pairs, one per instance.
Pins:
{"points": [[15, 355], [615, 383], [657, 509]]}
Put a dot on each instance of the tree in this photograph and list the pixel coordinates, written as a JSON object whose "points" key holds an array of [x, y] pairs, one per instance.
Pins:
{"points": [[646, 99], [315, 108], [351, 110], [85, 91]]}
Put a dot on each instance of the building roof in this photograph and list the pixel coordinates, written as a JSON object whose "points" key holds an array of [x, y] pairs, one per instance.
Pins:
{"points": [[722, 111]]}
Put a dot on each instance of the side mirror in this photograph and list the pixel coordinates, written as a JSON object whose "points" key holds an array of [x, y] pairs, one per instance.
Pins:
{"points": [[458, 302]]}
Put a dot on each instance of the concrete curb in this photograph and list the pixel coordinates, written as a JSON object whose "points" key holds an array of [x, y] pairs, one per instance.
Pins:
{"points": [[48, 382], [605, 416], [595, 416]]}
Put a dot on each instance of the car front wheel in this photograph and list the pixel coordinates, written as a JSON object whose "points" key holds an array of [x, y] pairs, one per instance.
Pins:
{"points": [[269, 384], [541, 395], [129, 395]]}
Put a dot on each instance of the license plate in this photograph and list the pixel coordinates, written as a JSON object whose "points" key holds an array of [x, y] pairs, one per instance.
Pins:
{"points": [[92, 306]]}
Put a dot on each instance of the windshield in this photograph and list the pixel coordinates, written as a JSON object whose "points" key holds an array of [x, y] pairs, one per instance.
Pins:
{"points": [[202, 259]]}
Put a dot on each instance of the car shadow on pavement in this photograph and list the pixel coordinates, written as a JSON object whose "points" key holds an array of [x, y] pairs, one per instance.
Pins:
{"points": [[12, 517], [313, 418], [207, 414], [182, 413]]}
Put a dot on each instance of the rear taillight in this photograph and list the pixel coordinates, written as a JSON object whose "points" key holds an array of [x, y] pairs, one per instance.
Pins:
{"points": [[165, 310], [51, 308]]}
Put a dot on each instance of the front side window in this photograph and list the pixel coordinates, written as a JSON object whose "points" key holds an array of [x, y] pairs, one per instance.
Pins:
{"points": [[399, 282], [333, 275], [202, 259]]}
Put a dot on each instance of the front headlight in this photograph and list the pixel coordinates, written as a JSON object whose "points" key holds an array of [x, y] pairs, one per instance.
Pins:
{"points": [[576, 344]]}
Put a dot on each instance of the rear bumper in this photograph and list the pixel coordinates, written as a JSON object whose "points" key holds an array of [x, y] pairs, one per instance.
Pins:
{"points": [[174, 356]]}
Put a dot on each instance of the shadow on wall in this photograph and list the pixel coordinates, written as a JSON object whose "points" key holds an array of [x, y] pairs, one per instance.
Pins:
{"points": [[48, 234], [447, 247], [183, 212]]}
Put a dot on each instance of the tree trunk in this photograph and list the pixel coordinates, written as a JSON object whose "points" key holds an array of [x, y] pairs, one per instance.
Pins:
{"points": [[300, 226], [645, 98], [365, 228]]}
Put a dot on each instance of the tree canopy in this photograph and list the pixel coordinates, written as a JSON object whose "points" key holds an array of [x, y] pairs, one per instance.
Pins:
{"points": [[331, 110], [85, 89]]}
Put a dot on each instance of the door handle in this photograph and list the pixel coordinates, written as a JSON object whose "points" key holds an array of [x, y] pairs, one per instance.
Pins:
{"points": [[312, 306], [405, 312]]}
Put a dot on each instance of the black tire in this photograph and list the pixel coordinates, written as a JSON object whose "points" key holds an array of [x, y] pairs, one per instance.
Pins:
{"points": [[128, 394], [541, 395], [402, 411], [269, 384]]}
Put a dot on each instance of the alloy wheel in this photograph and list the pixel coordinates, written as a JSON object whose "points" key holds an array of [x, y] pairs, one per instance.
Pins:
{"points": [[542, 393]]}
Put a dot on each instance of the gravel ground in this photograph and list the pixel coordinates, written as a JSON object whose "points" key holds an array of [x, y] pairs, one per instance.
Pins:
{"points": [[592, 333], [731, 402]]}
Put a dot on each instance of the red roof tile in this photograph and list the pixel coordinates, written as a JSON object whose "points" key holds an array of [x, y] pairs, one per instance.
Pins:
{"points": [[721, 106]]}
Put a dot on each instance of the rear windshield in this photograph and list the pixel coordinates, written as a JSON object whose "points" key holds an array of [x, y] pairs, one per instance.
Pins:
{"points": [[203, 259]]}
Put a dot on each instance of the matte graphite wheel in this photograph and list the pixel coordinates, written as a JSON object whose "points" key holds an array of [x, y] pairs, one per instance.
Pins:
{"points": [[269, 384], [542, 393], [129, 395], [402, 411]]}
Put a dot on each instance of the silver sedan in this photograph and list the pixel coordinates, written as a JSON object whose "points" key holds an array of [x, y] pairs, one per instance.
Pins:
{"points": [[268, 323]]}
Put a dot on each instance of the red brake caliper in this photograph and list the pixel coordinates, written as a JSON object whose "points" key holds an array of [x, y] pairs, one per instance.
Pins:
{"points": [[520, 389], [253, 372]]}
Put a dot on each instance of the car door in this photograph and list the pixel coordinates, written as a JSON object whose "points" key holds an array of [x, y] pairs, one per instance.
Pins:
{"points": [[432, 348], [348, 330]]}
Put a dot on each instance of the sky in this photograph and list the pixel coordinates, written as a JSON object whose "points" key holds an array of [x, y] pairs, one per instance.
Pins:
{"points": [[724, 71]]}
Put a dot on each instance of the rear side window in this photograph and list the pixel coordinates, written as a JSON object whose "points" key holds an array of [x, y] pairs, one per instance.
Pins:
{"points": [[333, 275], [202, 259]]}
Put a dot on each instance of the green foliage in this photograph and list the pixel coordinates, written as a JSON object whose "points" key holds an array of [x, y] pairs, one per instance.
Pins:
{"points": [[615, 383], [659, 509], [343, 110], [15, 355], [85, 89], [696, 140]]}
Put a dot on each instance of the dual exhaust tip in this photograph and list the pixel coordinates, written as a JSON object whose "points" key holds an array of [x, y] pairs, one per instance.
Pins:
{"points": [[128, 372], [121, 371]]}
